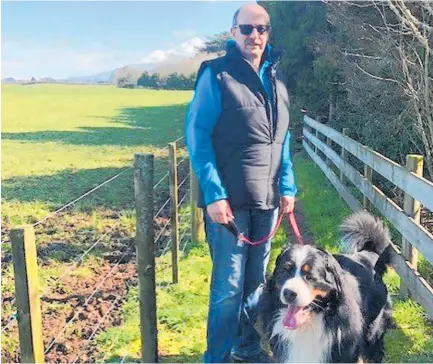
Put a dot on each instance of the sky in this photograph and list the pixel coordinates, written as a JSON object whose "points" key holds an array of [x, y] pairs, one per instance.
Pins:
{"points": [[62, 39]]}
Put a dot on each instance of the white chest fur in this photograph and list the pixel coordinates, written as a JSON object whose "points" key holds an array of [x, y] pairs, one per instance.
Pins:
{"points": [[308, 344]]}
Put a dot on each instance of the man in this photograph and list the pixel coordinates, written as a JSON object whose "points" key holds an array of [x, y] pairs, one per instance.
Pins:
{"points": [[238, 140]]}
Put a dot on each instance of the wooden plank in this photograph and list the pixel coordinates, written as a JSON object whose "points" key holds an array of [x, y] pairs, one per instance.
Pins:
{"points": [[342, 190], [416, 234], [368, 174], [414, 163], [174, 198], [344, 156], [197, 222], [25, 264], [144, 242], [329, 144], [418, 187], [420, 290], [412, 207]]}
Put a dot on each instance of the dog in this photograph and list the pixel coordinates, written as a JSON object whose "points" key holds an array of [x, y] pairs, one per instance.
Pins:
{"points": [[318, 307]]}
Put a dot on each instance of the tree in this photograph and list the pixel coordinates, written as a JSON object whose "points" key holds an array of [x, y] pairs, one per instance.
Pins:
{"points": [[385, 53], [125, 82], [365, 65], [294, 25], [149, 81], [217, 43]]}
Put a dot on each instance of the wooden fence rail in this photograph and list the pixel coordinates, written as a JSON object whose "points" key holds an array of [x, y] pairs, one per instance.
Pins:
{"points": [[419, 191]]}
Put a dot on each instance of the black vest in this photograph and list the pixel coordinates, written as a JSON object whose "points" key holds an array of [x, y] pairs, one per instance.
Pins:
{"points": [[249, 133]]}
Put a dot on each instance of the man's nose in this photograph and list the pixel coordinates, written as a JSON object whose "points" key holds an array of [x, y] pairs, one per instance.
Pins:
{"points": [[254, 33]]}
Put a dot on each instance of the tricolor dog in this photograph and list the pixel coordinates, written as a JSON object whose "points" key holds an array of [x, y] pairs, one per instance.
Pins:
{"points": [[318, 307]]}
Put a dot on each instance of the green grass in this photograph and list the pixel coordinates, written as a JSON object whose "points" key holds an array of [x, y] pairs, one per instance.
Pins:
{"points": [[58, 141], [182, 310], [412, 339]]}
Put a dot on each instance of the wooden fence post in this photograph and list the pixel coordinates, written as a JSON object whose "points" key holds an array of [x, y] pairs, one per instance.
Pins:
{"points": [[174, 196], [197, 223], [343, 156], [368, 174], [25, 264], [144, 242], [329, 144], [317, 135], [412, 207]]}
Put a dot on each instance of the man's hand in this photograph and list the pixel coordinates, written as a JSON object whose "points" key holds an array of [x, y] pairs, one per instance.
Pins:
{"points": [[287, 204], [220, 212]]}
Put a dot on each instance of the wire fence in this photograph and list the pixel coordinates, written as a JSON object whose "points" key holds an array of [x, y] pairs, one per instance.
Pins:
{"points": [[112, 279]]}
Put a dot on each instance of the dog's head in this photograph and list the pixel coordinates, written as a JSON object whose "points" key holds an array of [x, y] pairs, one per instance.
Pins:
{"points": [[306, 280]]}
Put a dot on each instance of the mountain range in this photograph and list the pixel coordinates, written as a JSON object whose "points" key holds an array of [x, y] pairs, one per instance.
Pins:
{"points": [[175, 63]]}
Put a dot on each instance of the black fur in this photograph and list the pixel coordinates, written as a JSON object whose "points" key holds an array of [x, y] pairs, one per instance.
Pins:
{"points": [[355, 308]]}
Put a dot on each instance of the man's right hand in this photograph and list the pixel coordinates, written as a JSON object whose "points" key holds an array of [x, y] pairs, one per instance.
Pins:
{"points": [[220, 211]]}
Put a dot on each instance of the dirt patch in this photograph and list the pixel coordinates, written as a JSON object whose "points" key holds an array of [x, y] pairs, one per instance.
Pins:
{"points": [[68, 315]]}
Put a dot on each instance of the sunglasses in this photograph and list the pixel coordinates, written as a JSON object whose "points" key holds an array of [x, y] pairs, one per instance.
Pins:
{"points": [[247, 29]]}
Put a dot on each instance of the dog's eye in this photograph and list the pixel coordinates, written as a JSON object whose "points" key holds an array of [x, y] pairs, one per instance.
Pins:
{"points": [[307, 276], [306, 268]]}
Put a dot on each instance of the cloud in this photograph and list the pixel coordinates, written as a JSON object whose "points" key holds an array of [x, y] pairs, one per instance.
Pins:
{"points": [[154, 57], [24, 60], [185, 49]]}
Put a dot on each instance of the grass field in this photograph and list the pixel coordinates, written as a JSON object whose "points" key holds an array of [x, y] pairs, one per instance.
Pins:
{"points": [[59, 142]]}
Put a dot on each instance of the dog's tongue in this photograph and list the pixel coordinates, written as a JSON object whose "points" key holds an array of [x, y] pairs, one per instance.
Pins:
{"points": [[294, 317]]}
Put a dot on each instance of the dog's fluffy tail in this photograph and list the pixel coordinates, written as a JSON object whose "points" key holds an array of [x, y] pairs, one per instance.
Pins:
{"points": [[363, 232]]}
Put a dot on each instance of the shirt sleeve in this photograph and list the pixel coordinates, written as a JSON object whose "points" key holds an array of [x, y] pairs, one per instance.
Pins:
{"points": [[203, 113], [287, 177]]}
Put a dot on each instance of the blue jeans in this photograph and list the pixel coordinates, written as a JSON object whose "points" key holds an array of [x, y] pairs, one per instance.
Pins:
{"points": [[238, 271]]}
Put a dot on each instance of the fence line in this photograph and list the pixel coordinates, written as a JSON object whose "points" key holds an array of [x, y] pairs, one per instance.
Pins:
{"points": [[162, 179], [415, 235], [162, 208], [82, 196], [118, 298], [416, 186], [183, 181]]}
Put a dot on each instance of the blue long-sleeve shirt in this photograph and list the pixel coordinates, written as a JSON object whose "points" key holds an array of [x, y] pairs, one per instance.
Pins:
{"points": [[203, 114]]}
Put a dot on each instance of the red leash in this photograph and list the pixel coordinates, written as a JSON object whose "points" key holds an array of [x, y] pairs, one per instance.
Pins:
{"points": [[241, 237]]}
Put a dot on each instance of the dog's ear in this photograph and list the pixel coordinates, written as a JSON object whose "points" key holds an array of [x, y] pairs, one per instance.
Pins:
{"points": [[333, 272], [280, 256]]}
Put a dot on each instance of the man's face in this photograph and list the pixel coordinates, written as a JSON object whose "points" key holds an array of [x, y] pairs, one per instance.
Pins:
{"points": [[252, 45]]}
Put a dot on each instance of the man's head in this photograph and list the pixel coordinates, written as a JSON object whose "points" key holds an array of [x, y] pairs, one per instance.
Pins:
{"points": [[250, 30]]}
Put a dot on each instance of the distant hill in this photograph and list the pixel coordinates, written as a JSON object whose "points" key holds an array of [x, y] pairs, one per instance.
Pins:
{"points": [[181, 65], [9, 80], [104, 77]]}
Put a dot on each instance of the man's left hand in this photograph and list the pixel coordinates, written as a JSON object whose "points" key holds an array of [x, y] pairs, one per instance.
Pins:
{"points": [[287, 203]]}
